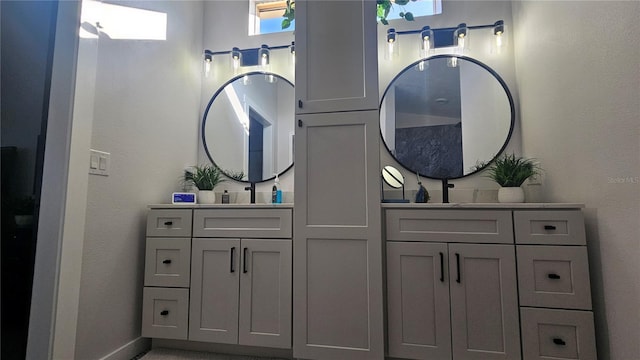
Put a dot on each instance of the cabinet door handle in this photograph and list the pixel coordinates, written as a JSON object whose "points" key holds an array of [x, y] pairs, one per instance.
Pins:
{"points": [[549, 227], [166, 261], [559, 341], [300, 104], [441, 267], [233, 250], [168, 223], [458, 268], [164, 312], [299, 123], [244, 260], [553, 276]]}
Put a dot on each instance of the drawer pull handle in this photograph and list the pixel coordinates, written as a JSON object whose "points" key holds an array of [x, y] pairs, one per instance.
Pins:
{"points": [[166, 261], [168, 223], [549, 227], [164, 312], [458, 268], [300, 104], [299, 123], [233, 250], [553, 276], [244, 260], [441, 267], [559, 341]]}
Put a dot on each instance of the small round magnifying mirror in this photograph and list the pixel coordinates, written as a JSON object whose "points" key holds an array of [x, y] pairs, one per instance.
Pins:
{"points": [[394, 178]]}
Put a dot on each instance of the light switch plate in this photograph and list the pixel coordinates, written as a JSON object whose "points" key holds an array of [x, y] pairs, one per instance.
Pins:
{"points": [[99, 162]]}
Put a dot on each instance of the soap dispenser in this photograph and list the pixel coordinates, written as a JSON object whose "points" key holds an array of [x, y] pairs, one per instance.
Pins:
{"points": [[276, 193]]}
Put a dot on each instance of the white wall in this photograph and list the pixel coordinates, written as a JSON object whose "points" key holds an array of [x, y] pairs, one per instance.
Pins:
{"points": [[578, 65], [145, 113], [453, 13]]}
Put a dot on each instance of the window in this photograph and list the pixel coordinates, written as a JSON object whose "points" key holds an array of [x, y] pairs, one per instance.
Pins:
{"points": [[265, 17], [417, 8]]}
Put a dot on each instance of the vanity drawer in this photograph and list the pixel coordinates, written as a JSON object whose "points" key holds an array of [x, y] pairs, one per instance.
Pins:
{"points": [[169, 222], [557, 334], [549, 227], [165, 313], [554, 276], [167, 262], [243, 223], [472, 226]]}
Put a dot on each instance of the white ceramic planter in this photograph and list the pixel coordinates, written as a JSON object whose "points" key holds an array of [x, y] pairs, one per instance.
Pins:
{"points": [[206, 197], [511, 195]]}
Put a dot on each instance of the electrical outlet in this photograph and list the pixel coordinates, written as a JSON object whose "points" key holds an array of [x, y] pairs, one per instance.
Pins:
{"points": [[99, 162]]}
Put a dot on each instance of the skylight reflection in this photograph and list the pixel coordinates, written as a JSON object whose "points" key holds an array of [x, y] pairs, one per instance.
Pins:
{"points": [[121, 22]]}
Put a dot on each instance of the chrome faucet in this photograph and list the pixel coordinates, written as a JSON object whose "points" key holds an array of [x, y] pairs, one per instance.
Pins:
{"points": [[252, 188]]}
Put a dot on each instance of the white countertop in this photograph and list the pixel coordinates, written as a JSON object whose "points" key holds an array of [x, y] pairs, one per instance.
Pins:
{"points": [[384, 206], [221, 206], [482, 206]]}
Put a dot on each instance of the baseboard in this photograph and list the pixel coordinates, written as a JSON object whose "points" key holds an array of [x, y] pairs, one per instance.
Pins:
{"points": [[223, 348], [129, 350]]}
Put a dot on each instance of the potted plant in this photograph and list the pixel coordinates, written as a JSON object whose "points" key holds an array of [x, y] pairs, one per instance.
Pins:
{"points": [[205, 178], [510, 171]]}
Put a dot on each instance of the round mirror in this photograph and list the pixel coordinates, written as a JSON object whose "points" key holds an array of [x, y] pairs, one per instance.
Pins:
{"points": [[248, 127], [446, 116]]}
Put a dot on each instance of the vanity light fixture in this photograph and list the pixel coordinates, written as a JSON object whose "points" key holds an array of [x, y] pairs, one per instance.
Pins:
{"points": [[260, 57], [426, 41], [236, 55], [263, 57], [208, 59], [392, 43], [433, 38], [460, 38], [498, 31]]}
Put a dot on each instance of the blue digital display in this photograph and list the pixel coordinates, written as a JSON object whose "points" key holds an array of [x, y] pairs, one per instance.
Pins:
{"points": [[184, 198]]}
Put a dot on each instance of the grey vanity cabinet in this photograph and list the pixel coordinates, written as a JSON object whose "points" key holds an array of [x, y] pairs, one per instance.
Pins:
{"points": [[241, 292], [336, 56], [452, 301], [227, 281], [553, 279], [166, 275], [338, 308], [418, 302]]}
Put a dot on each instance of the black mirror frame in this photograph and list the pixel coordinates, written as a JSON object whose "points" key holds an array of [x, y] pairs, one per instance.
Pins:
{"points": [[484, 66], [206, 112]]}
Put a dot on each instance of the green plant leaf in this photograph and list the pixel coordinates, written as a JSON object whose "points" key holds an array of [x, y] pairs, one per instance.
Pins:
{"points": [[401, 14], [286, 23], [402, 2], [384, 22], [408, 16]]}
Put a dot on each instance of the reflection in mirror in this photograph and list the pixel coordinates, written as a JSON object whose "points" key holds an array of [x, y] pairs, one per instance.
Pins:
{"points": [[247, 127], [446, 119]]}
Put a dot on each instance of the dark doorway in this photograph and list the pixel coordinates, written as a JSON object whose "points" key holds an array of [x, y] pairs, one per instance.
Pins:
{"points": [[28, 33], [256, 146]]}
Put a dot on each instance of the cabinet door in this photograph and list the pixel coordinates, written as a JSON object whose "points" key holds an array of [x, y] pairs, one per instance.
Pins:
{"points": [[265, 293], [336, 56], [215, 281], [484, 302], [338, 311], [418, 301]]}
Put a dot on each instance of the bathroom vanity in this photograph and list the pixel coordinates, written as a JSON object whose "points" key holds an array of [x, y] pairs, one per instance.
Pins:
{"points": [[463, 281], [219, 274], [475, 281]]}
